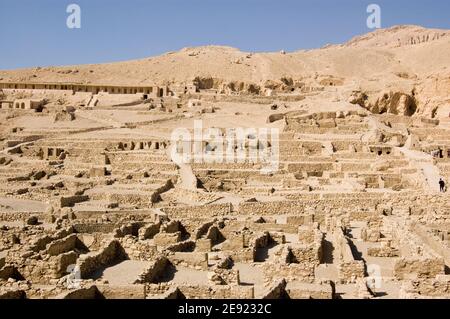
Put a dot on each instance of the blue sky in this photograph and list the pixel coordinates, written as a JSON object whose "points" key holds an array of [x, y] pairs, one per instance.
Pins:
{"points": [[34, 32]]}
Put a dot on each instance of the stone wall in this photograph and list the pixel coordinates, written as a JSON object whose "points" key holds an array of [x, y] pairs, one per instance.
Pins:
{"points": [[12, 294], [70, 201], [197, 260], [82, 293], [204, 210], [203, 229], [217, 292], [9, 271], [220, 276], [164, 239], [64, 245], [135, 291], [149, 231], [418, 267], [383, 252], [276, 290], [275, 271], [438, 287], [349, 269], [154, 271], [310, 291], [89, 228], [234, 242], [31, 266], [40, 243], [242, 255], [138, 250], [203, 245], [91, 262]]}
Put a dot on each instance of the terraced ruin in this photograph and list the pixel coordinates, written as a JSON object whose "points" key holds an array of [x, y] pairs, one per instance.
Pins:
{"points": [[93, 205]]}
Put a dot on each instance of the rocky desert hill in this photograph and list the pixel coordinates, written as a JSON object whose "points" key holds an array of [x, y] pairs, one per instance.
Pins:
{"points": [[404, 68]]}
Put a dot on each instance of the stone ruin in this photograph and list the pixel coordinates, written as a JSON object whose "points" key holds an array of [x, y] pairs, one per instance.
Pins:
{"points": [[94, 207]]}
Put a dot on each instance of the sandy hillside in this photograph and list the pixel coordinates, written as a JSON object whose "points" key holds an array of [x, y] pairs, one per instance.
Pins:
{"points": [[409, 60], [398, 49]]}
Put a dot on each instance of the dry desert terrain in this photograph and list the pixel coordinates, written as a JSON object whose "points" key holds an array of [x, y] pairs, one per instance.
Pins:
{"points": [[341, 200]]}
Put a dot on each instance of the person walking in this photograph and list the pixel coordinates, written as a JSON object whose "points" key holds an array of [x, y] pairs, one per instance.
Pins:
{"points": [[442, 185]]}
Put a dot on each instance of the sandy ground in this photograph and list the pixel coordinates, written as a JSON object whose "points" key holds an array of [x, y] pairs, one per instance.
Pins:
{"points": [[21, 205], [184, 275], [251, 275], [123, 273]]}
